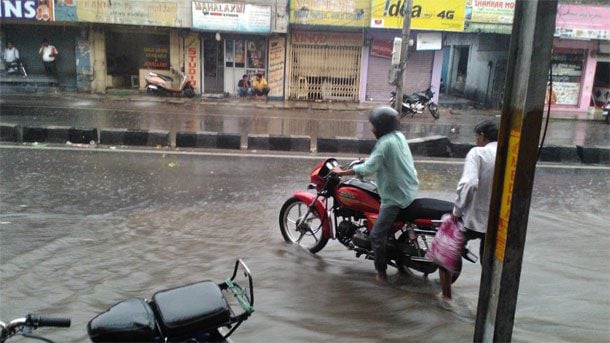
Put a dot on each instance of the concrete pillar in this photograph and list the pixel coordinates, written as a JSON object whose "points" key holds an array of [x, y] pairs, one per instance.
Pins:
{"points": [[97, 39], [176, 50]]}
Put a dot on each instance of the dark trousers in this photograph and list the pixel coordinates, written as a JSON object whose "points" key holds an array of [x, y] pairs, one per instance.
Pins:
{"points": [[260, 92], [379, 235], [50, 68], [469, 235]]}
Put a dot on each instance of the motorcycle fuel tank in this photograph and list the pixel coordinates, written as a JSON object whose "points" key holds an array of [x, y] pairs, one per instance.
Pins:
{"points": [[357, 199]]}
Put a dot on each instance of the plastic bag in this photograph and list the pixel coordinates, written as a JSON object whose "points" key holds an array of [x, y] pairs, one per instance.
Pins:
{"points": [[446, 248]]}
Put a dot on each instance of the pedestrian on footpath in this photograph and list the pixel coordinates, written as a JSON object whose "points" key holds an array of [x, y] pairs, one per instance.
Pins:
{"points": [[243, 86], [48, 53], [474, 191], [392, 163], [260, 86], [10, 55]]}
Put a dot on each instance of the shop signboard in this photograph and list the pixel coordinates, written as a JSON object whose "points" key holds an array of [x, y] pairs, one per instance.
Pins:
{"points": [[439, 15], [583, 22], [277, 56], [490, 11], [131, 12], [231, 17], [346, 13], [155, 57], [31, 10], [381, 48], [193, 60]]}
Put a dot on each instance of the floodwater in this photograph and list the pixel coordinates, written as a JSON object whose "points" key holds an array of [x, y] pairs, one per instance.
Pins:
{"points": [[82, 230]]}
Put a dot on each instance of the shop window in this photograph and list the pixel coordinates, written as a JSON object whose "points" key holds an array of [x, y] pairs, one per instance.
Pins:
{"points": [[567, 67]]}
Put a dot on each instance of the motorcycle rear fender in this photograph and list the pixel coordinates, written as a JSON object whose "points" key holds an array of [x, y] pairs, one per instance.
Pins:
{"points": [[308, 198]]}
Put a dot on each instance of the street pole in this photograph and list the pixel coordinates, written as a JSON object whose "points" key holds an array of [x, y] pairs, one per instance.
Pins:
{"points": [[528, 65], [404, 49]]}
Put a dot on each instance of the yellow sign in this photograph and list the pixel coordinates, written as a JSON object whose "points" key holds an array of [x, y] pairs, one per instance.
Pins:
{"points": [[355, 13], [441, 15], [135, 12], [507, 192]]}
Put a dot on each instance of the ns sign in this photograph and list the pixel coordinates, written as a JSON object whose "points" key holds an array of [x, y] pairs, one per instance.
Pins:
{"points": [[26, 9]]}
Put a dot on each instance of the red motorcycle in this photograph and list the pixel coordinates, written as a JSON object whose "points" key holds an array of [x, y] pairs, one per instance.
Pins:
{"points": [[347, 209]]}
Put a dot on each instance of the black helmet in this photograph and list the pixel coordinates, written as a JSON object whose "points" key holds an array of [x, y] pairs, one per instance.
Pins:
{"points": [[384, 119]]}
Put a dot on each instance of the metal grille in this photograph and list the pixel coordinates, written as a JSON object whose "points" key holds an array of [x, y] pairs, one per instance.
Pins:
{"points": [[324, 72]]}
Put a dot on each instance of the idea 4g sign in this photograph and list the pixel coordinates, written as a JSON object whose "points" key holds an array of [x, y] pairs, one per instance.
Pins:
{"points": [[442, 15]]}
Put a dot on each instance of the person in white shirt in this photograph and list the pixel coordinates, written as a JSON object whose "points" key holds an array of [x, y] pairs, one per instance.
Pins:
{"points": [[11, 54], [48, 53], [474, 191]]}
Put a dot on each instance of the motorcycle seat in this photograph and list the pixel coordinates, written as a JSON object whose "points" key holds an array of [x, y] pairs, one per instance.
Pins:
{"points": [[190, 309], [412, 98], [425, 208]]}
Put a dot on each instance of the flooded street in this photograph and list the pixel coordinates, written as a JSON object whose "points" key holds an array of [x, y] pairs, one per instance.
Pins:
{"points": [[82, 230]]}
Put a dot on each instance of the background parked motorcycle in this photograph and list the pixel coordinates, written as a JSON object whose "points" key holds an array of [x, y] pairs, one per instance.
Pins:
{"points": [[606, 111], [416, 102], [16, 68], [159, 84]]}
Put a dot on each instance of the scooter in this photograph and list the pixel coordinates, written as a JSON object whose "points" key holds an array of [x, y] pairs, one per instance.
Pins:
{"points": [[159, 84], [346, 210], [416, 102], [196, 312]]}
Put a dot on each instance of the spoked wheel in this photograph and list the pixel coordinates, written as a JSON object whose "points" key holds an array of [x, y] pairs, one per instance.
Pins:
{"points": [[299, 225], [433, 110]]}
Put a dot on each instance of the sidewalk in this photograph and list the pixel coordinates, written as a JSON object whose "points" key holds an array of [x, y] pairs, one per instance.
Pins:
{"points": [[254, 124]]}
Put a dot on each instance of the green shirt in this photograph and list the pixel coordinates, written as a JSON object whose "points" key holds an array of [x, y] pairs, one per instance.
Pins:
{"points": [[392, 163]]}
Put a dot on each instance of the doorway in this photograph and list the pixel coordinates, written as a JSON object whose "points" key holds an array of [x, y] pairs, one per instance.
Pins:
{"points": [[459, 69], [213, 65]]}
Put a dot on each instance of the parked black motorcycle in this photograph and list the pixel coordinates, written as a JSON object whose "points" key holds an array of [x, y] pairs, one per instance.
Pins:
{"points": [[16, 68], [197, 312], [606, 111], [416, 102]]}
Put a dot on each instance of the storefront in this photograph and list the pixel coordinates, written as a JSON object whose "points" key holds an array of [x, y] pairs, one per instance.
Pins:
{"points": [[235, 40], [420, 70], [324, 65]]}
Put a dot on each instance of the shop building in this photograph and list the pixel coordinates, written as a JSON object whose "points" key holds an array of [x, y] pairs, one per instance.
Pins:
{"points": [[241, 39]]}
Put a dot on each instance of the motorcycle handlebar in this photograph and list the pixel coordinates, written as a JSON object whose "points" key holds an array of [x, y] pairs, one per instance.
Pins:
{"points": [[40, 321]]}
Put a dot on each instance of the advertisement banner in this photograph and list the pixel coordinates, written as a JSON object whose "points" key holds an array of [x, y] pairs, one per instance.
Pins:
{"points": [[347, 13], [327, 38], [65, 10], [277, 56], [238, 17], [441, 15], [134, 12], [490, 11], [33, 10], [429, 41], [583, 22]]}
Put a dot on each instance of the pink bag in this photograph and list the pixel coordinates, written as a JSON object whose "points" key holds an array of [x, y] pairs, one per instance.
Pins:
{"points": [[446, 248]]}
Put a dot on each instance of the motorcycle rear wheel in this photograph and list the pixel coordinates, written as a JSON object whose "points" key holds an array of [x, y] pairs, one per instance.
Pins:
{"points": [[189, 92], [422, 252], [307, 234], [433, 110]]}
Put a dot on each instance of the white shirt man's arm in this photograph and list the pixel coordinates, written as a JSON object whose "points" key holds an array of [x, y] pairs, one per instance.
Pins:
{"points": [[468, 184]]}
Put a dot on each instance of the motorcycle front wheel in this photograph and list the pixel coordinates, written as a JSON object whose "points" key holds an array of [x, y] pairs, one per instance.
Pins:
{"points": [[433, 110], [302, 226]]}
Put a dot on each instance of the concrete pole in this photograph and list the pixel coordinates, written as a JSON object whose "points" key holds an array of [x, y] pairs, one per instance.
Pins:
{"points": [[404, 50], [527, 74]]}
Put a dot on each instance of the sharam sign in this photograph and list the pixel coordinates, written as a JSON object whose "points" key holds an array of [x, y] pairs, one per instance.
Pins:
{"points": [[35, 10]]}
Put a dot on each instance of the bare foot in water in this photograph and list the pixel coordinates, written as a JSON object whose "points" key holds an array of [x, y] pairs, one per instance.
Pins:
{"points": [[381, 278]]}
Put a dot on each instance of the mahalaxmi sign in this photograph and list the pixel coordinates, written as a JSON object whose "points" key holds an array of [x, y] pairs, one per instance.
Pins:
{"points": [[439, 15], [231, 17]]}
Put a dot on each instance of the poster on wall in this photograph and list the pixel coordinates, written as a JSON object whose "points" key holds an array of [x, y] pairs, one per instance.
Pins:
{"points": [[565, 93], [277, 56], [445, 15], [65, 10], [238, 17], [429, 41], [33, 10], [134, 12], [350, 13], [381, 48]]}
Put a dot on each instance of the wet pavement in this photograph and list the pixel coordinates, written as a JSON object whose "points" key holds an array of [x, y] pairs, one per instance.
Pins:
{"points": [[325, 120], [83, 229]]}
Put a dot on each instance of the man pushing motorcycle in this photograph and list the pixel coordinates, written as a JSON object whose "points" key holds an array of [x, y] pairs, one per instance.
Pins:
{"points": [[392, 163]]}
